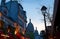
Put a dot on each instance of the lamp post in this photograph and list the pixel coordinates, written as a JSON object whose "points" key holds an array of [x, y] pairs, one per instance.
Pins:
{"points": [[43, 9]]}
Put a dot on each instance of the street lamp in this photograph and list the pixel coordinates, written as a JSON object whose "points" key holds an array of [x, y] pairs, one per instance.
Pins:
{"points": [[43, 9]]}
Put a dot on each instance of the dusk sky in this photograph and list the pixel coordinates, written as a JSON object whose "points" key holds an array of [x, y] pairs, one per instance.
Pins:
{"points": [[32, 8]]}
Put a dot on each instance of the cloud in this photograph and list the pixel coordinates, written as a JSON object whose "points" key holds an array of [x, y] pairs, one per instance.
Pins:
{"points": [[40, 26]]}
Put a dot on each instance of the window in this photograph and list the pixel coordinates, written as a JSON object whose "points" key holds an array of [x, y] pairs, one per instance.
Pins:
{"points": [[1, 24]]}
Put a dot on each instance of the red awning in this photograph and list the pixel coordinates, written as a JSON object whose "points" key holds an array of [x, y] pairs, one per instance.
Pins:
{"points": [[18, 35]]}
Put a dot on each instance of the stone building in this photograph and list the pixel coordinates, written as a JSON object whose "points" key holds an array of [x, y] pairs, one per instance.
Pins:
{"points": [[56, 20], [36, 34], [12, 15], [33, 34], [30, 27], [30, 30]]}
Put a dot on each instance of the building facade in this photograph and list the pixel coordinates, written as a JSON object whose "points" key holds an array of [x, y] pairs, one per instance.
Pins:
{"points": [[56, 20], [12, 15]]}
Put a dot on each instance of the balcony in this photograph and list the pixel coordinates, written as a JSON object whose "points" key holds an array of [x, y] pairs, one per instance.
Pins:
{"points": [[6, 19]]}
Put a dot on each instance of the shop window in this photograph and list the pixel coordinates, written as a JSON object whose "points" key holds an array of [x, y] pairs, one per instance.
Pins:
{"points": [[0, 14], [1, 24]]}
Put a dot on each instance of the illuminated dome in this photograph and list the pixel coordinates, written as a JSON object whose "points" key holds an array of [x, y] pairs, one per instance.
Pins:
{"points": [[30, 27]]}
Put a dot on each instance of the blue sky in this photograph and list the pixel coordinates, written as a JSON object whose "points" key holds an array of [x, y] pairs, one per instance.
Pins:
{"points": [[32, 8], [34, 13]]}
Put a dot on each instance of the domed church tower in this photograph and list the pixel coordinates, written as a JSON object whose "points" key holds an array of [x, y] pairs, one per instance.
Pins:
{"points": [[30, 27], [36, 32]]}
